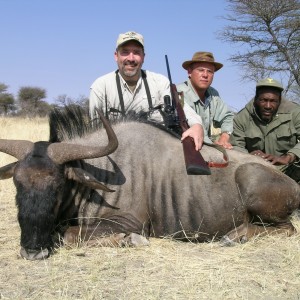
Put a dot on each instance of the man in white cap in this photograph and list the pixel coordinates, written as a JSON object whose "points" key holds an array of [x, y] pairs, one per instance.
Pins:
{"points": [[204, 99], [131, 90]]}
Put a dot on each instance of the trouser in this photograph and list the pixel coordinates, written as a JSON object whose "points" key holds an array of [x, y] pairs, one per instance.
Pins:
{"points": [[292, 171]]}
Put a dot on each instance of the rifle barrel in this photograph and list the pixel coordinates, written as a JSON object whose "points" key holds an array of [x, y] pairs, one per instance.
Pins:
{"points": [[168, 69]]}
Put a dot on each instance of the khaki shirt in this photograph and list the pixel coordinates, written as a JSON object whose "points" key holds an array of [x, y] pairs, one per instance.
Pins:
{"points": [[214, 112], [104, 90]]}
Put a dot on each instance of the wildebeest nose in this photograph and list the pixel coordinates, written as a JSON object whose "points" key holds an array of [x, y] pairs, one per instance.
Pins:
{"points": [[34, 254]]}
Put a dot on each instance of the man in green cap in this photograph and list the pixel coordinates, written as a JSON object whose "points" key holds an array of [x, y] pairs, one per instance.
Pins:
{"points": [[269, 127]]}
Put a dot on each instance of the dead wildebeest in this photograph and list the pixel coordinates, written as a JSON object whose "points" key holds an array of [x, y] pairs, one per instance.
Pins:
{"points": [[109, 193]]}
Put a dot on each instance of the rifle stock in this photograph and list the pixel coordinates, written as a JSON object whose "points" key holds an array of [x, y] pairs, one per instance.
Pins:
{"points": [[195, 163]]}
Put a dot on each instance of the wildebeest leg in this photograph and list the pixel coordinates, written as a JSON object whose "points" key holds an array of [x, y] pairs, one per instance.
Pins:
{"points": [[76, 235], [247, 230], [106, 234], [263, 197]]}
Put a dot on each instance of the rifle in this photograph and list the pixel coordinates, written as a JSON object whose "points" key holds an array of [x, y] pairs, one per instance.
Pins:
{"points": [[195, 164]]}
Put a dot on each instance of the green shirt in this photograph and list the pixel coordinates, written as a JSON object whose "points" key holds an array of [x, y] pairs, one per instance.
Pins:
{"points": [[278, 137]]}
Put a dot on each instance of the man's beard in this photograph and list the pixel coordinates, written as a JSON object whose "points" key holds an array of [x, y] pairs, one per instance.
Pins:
{"points": [[130, 73], [264, 118]]}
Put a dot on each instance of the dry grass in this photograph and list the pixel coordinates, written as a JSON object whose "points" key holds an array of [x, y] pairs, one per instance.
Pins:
{"points": [[265, 268]]}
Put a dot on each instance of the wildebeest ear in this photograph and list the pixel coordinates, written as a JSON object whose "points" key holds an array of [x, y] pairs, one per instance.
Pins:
{"points": [[85, 178], [7, 171]]}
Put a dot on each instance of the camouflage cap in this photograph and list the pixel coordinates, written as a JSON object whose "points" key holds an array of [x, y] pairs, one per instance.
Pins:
{"points": [[130, 36], [270, 82]]}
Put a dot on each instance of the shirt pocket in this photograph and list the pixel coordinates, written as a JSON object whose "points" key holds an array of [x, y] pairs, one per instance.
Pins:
{"points": [[286, 136], [254, 139], [254, 143]]}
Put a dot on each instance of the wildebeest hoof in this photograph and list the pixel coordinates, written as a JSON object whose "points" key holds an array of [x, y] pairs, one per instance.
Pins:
{"points": [[136, 240], [244, 240], [227, 242]]}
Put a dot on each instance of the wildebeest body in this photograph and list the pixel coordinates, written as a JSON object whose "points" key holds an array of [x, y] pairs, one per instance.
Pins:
{"points": [[151, 186], [153, 195]]}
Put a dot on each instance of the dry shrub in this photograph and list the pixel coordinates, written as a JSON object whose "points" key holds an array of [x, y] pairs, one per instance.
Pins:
{"points": [[264, 268]]}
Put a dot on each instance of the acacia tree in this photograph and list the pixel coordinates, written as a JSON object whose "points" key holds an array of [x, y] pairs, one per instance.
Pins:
{"points": [[269, 33], [7, 100], [3, 87], [31, 101]]}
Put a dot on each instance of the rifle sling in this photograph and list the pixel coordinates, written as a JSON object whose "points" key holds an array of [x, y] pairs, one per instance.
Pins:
{"points": [[120, 93], [225, 157], [144, 77]]}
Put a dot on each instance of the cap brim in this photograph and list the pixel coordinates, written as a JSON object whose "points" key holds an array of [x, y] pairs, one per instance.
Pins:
{"points": [[131, 40], [270, 86]]}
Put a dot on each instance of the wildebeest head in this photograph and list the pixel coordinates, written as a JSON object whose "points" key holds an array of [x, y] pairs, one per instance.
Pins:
{"points": [[40, 176]]}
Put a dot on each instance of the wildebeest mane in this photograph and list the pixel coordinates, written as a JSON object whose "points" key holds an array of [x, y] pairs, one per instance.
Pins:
{"points": [[68, 122], [73, 121]]}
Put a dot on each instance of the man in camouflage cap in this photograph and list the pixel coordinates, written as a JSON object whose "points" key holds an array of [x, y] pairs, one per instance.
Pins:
{"points": [[269, 127]]}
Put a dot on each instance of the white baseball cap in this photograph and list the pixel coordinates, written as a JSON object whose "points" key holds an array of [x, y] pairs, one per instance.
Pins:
{"points": [[130, 36]]}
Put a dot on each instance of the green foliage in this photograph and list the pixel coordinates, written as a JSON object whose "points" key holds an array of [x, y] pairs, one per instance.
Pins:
{"points": [[31, 95], [3, 87], [31, 103], [7, 100]]}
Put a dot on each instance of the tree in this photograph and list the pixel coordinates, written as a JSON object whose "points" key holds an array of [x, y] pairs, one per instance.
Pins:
{"points": [[30, 101], [269, 31], [7, 100], [3, 87], [83, 101], [63, 100]]}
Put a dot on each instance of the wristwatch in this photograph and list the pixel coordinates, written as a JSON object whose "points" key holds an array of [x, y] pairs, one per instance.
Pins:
{"points": [[228, 132], [292, 156]]}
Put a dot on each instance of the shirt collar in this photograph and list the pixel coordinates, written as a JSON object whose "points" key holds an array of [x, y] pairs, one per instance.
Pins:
{"points": [[208, 96]]}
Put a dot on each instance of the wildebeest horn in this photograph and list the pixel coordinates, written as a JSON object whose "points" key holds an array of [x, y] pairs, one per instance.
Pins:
{"points": [[16, 148], [63, 152]]}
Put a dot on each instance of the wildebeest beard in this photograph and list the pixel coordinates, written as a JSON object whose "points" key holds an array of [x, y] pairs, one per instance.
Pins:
{"points": [[36, 217]]}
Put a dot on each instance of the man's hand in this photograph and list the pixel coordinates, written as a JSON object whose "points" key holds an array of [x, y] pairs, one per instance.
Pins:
{"points": [[275, 160], [196, 133], [224, 141]]}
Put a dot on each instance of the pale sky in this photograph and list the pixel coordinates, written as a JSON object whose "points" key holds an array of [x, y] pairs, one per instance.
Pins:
{"points": [[64, 45]]}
